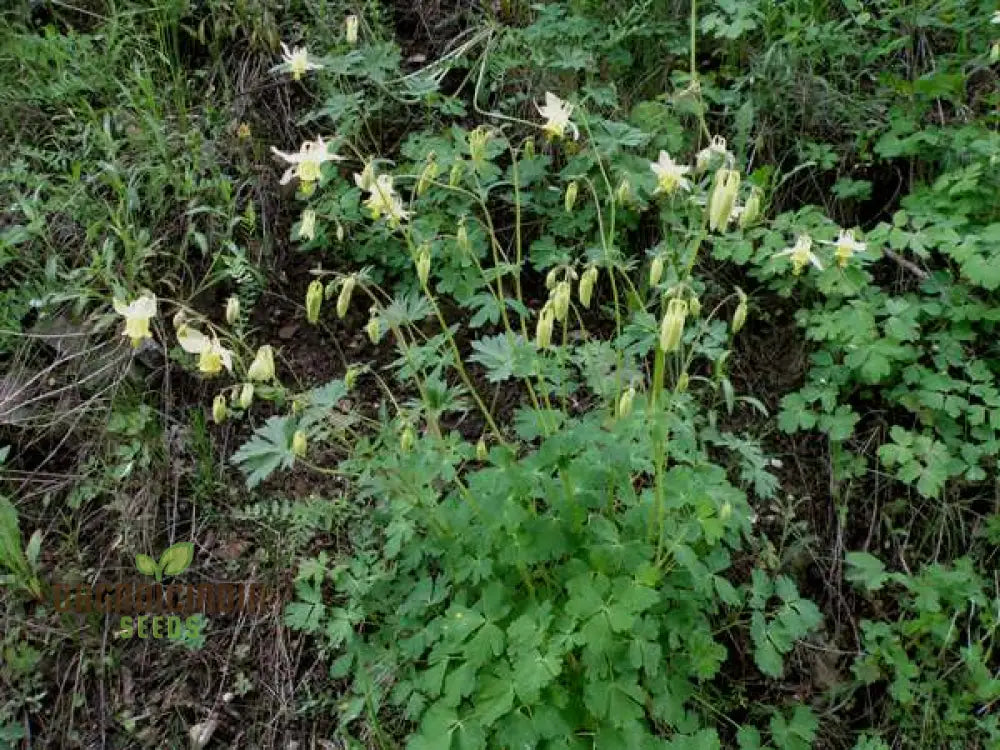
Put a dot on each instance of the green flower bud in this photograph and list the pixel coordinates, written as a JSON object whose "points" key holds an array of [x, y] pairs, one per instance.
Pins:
{"points": [[682, 382], [570, 198], [625, 402], [314, 300], [481, 453], [351, 377], [529, 148], [751, 211], [478, 139], [726, 186], [406, 439], [551, 278], [623, 194], [219, 409], [656, 270], [429, 174], [344, 300], [246, 395], [740, 315], [672, 328], [424, 263], [725, 511], [232, 310], [560, 300], [694, 305], [587, 282], [994, 53], [340, 232], [299, 444], [374, 329], [462, 237], [456, 173], [543, 330]]}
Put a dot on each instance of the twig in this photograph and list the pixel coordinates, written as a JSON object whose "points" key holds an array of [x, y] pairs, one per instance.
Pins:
{"points": [[909, 265]]}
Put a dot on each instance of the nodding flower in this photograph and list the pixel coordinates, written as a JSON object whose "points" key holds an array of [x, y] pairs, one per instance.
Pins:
{"points": [[137, 314], [556, 113], [307, 163], [801, 254]]}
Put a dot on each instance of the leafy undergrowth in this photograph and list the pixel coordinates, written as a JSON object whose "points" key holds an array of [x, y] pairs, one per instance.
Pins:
{"points": [[582, 375]]}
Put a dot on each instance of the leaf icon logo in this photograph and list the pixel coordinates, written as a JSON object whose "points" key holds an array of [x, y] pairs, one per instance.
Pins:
{"points": [[174, 561]]}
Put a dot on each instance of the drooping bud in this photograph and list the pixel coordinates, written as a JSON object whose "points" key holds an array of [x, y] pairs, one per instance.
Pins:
{"points": [[246, 396], [462, 237], [351, 377], [406, 439], [314, 300], [456, 173], [551, 278], [725, 511], [587, 281], [262, 367], [694, 306], [351, 29], [478, 139], [374, 329], [424, 263], [672, 328], [623, 194], [529, 148], [298, 405], [232, 310], [994, 53], [299, 445], [429, 174], [726, 186], [561, 299], [625, 402], [219, 409], [344, 300], [740, 315], [481, 453], [751, 210], [543, 329], [340, 232], [307, 225], [656, 270], [682, 382], [570, 198]]}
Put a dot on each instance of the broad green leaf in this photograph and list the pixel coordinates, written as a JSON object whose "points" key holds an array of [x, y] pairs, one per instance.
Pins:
{"points": [[176, 558]]}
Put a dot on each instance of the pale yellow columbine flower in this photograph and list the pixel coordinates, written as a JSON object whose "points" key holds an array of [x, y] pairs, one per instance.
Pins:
{"points": [[307, 226], [801, 254], [996, 17], [669, 174], [846, 246], [385, 201], [297, 61], [212, 356], [307, 163], [262, 367], [556, 113], [137, 314], [365, 180]]}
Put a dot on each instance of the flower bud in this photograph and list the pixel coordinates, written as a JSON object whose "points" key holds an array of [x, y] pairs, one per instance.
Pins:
{"points": [[262, 367], [720, 203], [551, 278], [682, 382], [424, 263], [406, 439], [456, 173], [570, 198], [725, 511], [351, 29], [351, 377], [560, 300], [477, 144], [232, 310], [656, 270], [751, 211], [481, 453], [298, 405], [623, 194], [529, 148], [694, 305], [219, 409], [740, 315], [299, 444], [307, 225], [994, 53], [625, 402], [344, 300], [340, 232], [246, 396], [462, 237], [429, 174], [314, 299], [672, 328], [543, 330], [374, 329], [587, 282]]}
